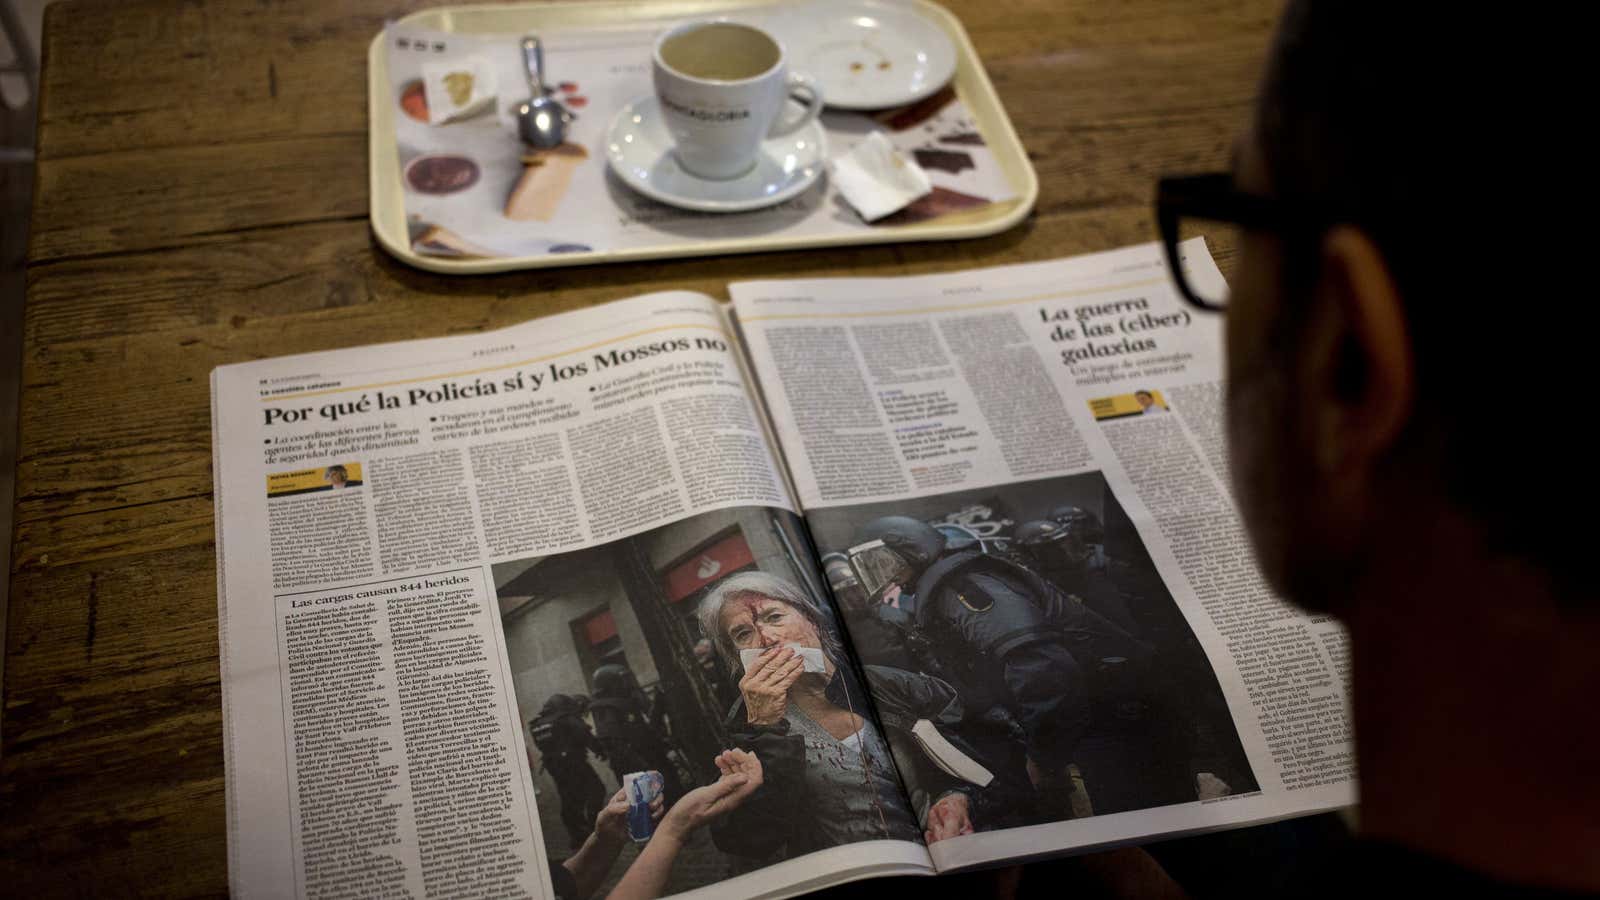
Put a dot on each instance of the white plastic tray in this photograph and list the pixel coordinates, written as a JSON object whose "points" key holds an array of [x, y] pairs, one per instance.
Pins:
{"points": [[388, 203]]}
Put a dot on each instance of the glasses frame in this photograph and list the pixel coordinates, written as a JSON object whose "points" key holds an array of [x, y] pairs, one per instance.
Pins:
{"points": [[1213, 196]]}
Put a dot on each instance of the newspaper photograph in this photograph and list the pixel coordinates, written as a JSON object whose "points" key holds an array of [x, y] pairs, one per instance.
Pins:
{"points": [[1019, 482], [672, 651], [855, 577], [1087, 693]]}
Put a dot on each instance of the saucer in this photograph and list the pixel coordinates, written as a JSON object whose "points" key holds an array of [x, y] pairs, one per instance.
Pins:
{"points": [[640, 152], [870, 54]]}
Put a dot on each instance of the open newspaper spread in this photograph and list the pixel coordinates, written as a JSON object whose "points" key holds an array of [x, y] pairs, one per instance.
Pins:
{"points": [[950, 561]]}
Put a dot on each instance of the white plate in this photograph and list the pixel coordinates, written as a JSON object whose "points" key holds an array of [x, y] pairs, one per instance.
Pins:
{"points": [[869, 54], [639, 150]]}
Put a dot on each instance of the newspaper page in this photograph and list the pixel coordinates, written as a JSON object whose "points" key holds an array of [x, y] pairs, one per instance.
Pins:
{"points": [[1018, 479], [472, 588]]}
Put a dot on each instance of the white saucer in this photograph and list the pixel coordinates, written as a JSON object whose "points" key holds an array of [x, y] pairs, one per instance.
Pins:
{"points": [[640, 152], [869, 54]]}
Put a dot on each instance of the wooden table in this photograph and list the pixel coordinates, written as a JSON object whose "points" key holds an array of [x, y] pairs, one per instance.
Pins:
{"points": [[202, 199]]}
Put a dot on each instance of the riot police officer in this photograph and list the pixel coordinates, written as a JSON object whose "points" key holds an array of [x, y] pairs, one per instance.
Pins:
{"points": [[1063, 553], [1004, 637], [882, 633], [1146, 748], [632, 740], [564, 741], [1089, 535]]}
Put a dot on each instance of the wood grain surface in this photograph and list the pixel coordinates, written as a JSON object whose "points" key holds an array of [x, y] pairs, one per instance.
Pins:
{"points": [[202, 199]]}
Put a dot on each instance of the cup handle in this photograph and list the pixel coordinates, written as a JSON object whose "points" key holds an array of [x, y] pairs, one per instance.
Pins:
{"points": [[809, 94]]}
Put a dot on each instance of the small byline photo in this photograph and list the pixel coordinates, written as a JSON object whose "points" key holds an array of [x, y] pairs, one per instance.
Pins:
{"points": [[1142, 402], [338, 476]]}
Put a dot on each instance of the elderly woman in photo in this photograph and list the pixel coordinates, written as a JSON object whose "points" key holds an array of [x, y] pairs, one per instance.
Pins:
{"points": [[828, 776]]}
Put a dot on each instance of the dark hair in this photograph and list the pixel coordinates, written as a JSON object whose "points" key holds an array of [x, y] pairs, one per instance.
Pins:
{"points": [[1431, 130]]}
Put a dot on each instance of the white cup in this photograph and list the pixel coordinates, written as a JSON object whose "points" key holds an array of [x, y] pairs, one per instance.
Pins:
{"points": [[723, 88]]}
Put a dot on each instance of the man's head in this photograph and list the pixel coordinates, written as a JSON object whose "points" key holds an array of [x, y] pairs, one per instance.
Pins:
{"points": [[1145, 399], [1365, 373]]}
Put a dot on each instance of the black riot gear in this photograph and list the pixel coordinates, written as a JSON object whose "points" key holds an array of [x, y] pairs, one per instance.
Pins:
{"points": [[1050, 612], [889, 552], [563, 740], [1062, 554], [914, 541], [844, 582], [1074, 540], [1005, 637], [1086, 525], [882, 633], [632, 741], [614, 681], [894, 549], [548, 732]]}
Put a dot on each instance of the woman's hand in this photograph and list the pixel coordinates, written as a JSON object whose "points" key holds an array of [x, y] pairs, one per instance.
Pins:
{"points": [[741, 775], [949, 817], [766, 685], [740, 762], [612, 822]]}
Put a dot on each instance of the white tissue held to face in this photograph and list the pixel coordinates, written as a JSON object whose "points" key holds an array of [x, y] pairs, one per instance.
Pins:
{"points": [[810, 657], [877, 178], [457, 89]]}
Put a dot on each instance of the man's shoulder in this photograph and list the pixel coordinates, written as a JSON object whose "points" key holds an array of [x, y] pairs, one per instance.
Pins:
{"points": [[997, 577]]}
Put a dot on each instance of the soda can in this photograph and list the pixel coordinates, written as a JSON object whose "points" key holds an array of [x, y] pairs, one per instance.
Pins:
{"points": [[641, 789]]}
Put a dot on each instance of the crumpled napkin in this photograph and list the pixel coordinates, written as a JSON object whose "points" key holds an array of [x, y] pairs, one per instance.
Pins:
{"points": [[877, 179]]}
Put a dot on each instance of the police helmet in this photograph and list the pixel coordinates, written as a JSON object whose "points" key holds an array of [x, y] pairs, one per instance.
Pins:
{"points": [[844, 582], [837, 567], [559, 704], [613, 681], [892, 547], [1084, 525], [1038, 532]]}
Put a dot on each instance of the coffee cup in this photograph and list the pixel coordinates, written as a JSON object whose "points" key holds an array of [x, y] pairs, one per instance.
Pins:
{"points": [[724, 88]]}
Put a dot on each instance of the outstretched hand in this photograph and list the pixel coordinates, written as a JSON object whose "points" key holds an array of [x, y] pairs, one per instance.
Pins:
{"points": [[741, 775]]}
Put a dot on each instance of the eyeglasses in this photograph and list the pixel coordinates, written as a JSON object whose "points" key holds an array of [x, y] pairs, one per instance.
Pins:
{"points": [[1210, 206]]}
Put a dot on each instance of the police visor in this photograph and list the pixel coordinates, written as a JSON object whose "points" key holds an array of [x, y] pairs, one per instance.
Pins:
{"points": [[876, 566]]}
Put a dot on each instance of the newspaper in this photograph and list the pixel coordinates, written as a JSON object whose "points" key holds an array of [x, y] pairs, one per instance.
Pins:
{"points": [[482, 597]]}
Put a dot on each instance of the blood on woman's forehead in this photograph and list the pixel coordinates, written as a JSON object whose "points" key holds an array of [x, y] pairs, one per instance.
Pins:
{"points": [[747, 605]]}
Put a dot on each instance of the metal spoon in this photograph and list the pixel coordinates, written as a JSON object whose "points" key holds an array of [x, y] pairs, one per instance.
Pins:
{"points": [[541, 121]]}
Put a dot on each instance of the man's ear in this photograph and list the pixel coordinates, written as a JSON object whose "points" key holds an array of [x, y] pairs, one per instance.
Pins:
{"points": [[1358, 371]]}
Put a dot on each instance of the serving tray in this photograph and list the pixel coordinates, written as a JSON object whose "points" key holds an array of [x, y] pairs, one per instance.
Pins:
{"points": [[970, 84]]}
